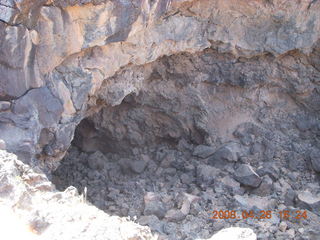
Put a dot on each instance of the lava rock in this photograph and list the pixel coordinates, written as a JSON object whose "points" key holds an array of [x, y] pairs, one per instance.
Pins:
{"points": [[96, 161], [309, 201], [153, 205], [186, 178], [270, 169], [230, 152], [289, 197], [265, 188], [315, 159], [138, 166], [247, 176], [295, 162], [206, 174], [152, 221], [203, 151], [4, 105], [254, 202], [174, 215], [229, 184]]}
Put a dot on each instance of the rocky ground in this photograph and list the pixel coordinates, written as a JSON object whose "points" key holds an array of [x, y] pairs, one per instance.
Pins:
{"points": [[175, 191], [175, 109], [32, 209]]}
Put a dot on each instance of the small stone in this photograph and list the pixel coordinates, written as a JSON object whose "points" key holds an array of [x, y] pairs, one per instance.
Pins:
{"points": [[265, 188], [269, 168], [151, 221], [4, 105], [289, 197], [307, 200], [231, 185], [168, 159], [283, 226], [186, 178], [203, 151], [138, 166], [96, 161], [174, 215], [247, 176], [153, 205], [291, 233], [206, 174], [255, 202]]}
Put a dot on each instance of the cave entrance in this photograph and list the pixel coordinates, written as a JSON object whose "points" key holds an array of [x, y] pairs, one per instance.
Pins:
{"points": [[133, 161]]}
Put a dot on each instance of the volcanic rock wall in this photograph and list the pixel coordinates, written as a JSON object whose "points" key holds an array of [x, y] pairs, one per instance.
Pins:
{"points": [[161, 70]]}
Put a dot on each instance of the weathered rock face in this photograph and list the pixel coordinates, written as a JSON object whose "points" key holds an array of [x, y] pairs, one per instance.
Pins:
{"points": [[204, 71]]}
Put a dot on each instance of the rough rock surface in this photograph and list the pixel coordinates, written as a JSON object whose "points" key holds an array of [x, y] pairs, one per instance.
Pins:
{"points": [[31, 208], [171, 97], [231, 63]]}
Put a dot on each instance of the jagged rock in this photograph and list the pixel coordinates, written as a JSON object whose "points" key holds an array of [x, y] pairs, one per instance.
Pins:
{"points": [[4, 105], [247, 176], [290, 196], [254, 202], [94, 55], [97, 161], [203, 151], [174, 215], [229, 184], [270, 169], [153, 205], [307, 200], [230, 152], [265, 188], [206, 174]]}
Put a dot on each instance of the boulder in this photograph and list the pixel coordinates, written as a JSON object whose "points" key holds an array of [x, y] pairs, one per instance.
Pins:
{"points": [[247, 176]]}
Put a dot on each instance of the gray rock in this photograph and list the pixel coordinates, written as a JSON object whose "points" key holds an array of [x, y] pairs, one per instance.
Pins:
{"points": [[4, 105], [307, 200], [186, 178], [203, 151], [206, 174], [255, 202], [247, 176], [96, 161], [18, 69], [228, 184], [315, 159], [289, 197], [139, 165], [230, 152], [296, 162], [153, 205], [265, 188], [152, 221], [270, 169], [174, 215]]}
